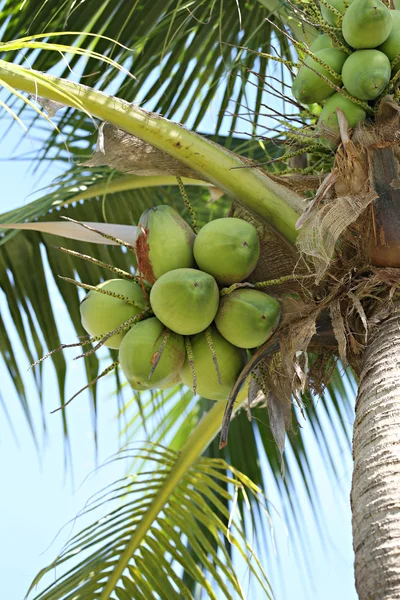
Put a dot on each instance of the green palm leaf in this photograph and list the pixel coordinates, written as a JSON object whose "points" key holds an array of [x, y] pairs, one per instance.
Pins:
{"points": [[169, 417], [182, 54], [171, 518]]}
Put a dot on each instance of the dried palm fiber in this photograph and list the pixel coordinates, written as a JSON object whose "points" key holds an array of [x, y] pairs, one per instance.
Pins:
{"points": [[126, 153], [269, 388], [299, 183], [337, 227], [322, 368], [50, 106], [338, 211], [342, 198]]}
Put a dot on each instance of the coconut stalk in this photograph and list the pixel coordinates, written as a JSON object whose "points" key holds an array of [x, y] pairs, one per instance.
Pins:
{"points": [[249, 186]]}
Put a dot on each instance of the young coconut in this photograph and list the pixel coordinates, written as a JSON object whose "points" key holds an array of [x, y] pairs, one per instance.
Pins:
{"points": [[101, 313], [366, 24], [328, 123], [329, 16], [228, 249], [391, 47], [307, 86], [165, 242], [151, 356], [230, 359], [185, 300], [139, 386], [322, 41], [366, 73], [247, 318], [173, 382]]}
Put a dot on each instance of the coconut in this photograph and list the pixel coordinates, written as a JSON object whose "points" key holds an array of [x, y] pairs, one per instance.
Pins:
{"points": [[321, 42], [391, 47], [137, 385], [366, 73], [329, 120], [307, 86], [185, 300], [101, 314], [173, 382], [139, 351], [228, 249], [141, 387], [231, 361], [165, 242], [366, 24], [329, 15], [247, 318]]}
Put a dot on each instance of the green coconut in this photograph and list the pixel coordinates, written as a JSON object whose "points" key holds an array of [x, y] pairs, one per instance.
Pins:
{"points": [[307, 86], [315, 109], [101, 314], [328, 119], [228, 249], [329, 15], [391, 47], [231, 361], [165, 242], [366, 24], [321, 42], [173, 382], [139, 351], [137, 385], [366, 73], [185, 300], [247, 318]]}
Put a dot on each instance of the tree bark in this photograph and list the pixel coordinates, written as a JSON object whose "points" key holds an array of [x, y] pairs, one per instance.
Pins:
{"points": [[375, 495]]}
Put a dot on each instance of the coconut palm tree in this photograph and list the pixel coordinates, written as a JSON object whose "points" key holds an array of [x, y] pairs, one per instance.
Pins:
{"points": [[329, 252]]}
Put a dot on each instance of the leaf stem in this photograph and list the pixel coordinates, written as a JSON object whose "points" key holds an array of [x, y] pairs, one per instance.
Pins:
{"points": [[245, 183], [129, 182], [198, 441]]}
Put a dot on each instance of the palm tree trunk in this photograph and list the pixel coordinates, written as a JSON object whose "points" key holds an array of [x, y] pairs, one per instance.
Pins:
{"points": [[375, 495]]}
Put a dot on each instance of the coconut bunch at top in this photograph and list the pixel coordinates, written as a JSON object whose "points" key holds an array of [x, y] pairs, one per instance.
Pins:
{"points": [[350, 66], [184, 317]]}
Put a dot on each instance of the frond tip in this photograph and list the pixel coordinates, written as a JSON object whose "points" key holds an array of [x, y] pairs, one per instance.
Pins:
{"points": [[186, 528]]}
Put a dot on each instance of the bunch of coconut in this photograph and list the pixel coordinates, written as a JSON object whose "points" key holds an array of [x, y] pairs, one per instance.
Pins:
{"points": [[359, 56], [184, 318]]}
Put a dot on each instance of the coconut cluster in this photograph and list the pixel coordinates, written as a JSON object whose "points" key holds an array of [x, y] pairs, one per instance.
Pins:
{"points": [[189, 320], [360, 57]]}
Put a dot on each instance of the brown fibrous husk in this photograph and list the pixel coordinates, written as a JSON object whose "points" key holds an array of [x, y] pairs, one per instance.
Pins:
{"points": [[337, 308]]}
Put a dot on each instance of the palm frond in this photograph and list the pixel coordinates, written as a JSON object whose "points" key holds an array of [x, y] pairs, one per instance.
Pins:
{"points": [[150, 529], [103, 184], [181, 55], [326, 423]]}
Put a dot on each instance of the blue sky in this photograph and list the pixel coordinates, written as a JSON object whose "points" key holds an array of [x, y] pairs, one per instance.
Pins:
{"points": [[39, 496]]}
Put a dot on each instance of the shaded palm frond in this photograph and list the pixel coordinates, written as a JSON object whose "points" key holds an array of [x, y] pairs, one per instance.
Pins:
{"points": [[150, 529], [104, 185], [181, 55], [326, 423]]}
